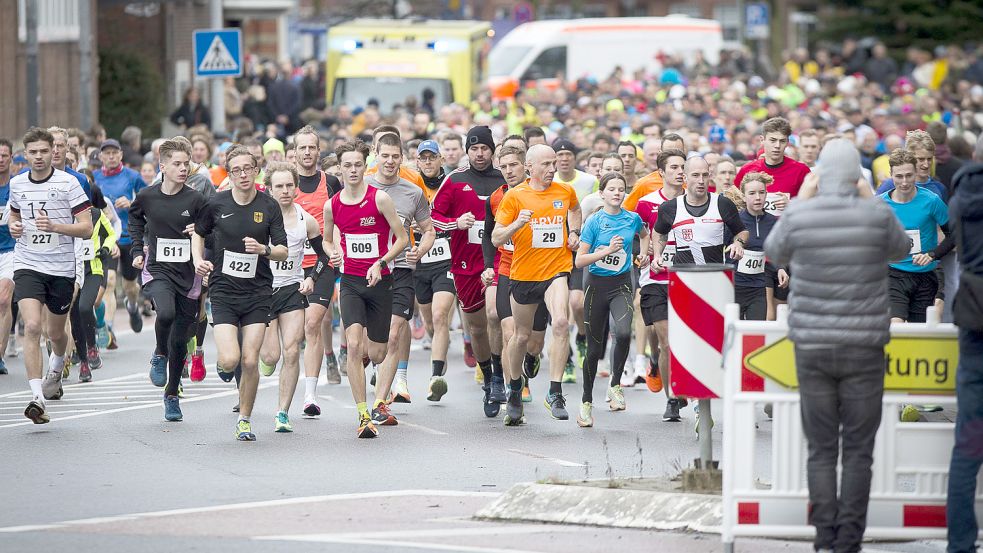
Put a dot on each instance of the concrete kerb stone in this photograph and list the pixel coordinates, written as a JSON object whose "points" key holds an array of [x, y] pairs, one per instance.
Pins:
{"points": [[609, 507]]}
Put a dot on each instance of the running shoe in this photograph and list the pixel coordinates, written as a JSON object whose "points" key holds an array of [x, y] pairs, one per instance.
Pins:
{"points": [[51, 386], [469, 359], [683, 402], [93, 359], [136, 319], [244, 431], [616, 398], [531, 368], [12, 345], [557, 406], [366, 429], [672, 411], [585, 419], [282, 423], [226, 376], [3, 367], [37, 412], [197, 366], [85, 374], [490, 408], [437, 388], [65, 372], [653, 380], [375, 370], [343, 361], [266, 370], [311, 409], [526, 394], [185, 371], [180, 390], [498, 392], [627, 377], [102, 336], [479, 376], [418, 329], [158, 370], [401, 392], [641, 368], [172, 409], [581, 352], [113, 344], [513, 410], [382, 416], [236, 408], [333, 375], [74, 359], [427, 343], [569, 373]]}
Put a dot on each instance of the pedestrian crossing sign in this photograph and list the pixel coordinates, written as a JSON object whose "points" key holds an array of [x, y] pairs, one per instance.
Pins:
{"points": [[218, 53]]}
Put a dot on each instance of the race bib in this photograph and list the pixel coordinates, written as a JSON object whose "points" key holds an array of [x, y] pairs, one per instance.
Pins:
{"points": [[286, 268], [173, 250], [4, 215], [41, 241], [308, 250], [362, 246], [547, 236], [509, 246], [752, 263], [477, 232], [88, 250], [915, 239], [613, 261], [770, 200], [440, 251], [239, 265], [668, 255]]}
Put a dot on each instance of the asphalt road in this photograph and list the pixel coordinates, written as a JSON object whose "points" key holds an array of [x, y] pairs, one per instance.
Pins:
{"points": [[108, 474]]}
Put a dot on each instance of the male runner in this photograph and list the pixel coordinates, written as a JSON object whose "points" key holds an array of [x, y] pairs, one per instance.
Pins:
{"points": [[654, 284], [628, 153], [543, 221], [291, 287], [413, 210], [120, 185], [243, 223], [694, 222], [6, 250], [459, 208], [48, 210], [433, 284], [160, 223], [371, 237], [314, 189]]}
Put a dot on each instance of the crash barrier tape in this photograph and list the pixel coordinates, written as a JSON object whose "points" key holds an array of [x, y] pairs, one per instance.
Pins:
{"points": [[911, 460]]}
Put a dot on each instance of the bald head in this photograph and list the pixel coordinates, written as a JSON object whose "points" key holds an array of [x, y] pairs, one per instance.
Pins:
{"points": [[697, 179], [541, 164], [693, 161], [539, 152]]}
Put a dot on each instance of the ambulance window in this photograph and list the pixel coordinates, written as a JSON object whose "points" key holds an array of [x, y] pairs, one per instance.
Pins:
{"points": [[550, 64]]}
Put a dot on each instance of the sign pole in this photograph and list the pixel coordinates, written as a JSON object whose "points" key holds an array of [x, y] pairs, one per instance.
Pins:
{"points": [[217, 84]]}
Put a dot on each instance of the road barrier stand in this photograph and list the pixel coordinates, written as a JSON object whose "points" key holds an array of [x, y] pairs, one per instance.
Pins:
{"points": [[911, 460]]}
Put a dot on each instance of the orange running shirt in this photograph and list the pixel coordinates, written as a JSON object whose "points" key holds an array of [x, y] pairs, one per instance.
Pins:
{"points": [[504, 256], [541, 246], [645, 186]]}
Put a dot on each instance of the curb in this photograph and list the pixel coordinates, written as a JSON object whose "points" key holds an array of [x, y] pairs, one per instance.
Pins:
{"points": [[610, 507]]}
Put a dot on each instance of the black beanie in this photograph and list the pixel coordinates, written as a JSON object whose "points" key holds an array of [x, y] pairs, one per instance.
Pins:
{"points": [[480, 135]]}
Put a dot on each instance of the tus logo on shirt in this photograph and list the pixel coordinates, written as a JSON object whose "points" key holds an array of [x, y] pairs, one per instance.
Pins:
{"points": [[558, 204], [367, 221]]}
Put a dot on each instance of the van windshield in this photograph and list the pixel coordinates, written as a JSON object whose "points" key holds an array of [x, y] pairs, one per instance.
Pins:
{"points": [[389, 91], [503, 60]]}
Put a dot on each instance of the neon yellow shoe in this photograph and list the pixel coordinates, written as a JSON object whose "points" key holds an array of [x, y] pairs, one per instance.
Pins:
{"points": [[266, 370]]}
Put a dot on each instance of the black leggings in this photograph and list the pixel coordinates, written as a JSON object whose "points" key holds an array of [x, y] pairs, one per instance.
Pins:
{"points": [[176, 315], [607, 297], [83, 315]]}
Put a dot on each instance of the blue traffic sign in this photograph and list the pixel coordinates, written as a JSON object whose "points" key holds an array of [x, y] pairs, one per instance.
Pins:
{"points": [[757, 20], [218, 53]]}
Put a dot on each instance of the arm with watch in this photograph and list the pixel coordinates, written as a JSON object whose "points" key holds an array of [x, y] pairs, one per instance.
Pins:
{"points": [[575, 220]]}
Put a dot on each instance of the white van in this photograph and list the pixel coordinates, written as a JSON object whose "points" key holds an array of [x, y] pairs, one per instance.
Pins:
{"points": [[576, 48]]}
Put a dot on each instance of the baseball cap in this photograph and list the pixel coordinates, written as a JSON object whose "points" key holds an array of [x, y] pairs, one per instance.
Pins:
{"points": [[224, 147], [717, 134], [110, 143], [272, 145], [428, 146], [564, 145]]}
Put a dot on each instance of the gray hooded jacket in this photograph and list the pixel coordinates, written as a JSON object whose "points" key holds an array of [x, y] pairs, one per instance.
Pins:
{"points": [[838, 246]]}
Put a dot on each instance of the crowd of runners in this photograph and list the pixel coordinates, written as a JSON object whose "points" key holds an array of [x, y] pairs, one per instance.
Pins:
{"points": [[546, 227]]}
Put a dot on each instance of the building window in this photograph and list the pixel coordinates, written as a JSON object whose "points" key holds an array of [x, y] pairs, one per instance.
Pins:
{"points": [[685, 8], [729, 21], [58, 20]]}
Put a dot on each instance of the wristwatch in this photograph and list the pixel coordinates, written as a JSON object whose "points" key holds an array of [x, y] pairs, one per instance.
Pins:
{"points": [[576, 231], [268, 251]]}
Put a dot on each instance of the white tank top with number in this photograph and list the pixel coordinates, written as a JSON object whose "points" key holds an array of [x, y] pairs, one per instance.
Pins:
{"points": [[695, 233], [290, 270]]}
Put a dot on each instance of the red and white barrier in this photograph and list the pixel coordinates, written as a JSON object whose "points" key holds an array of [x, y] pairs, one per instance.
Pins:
{"points": [[698, 295], [760, 498]]}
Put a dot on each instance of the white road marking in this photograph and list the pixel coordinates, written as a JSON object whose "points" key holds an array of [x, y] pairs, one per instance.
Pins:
{"points": [[249, 505], [560, 462], [325, 538], [426, 429], [486, 529]]}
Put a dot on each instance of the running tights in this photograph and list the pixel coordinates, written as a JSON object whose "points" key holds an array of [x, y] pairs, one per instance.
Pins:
{"points": [[606, 298], [176, 315], [83, 315]]}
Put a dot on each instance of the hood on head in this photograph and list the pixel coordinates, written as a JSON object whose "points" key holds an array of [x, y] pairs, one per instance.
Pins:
{"points": [[839, 168]]}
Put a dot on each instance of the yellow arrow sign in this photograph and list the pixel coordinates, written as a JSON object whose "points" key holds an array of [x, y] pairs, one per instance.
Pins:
{"points": [[926, 365]]}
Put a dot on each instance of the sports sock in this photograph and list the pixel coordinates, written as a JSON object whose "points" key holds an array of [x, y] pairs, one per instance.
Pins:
{"points": [[363, 410], [377, 403], [496, 363], [56, 362], [101, 314], [310, 387], [486, 369], [515, 384], [36, 387], [555, 387], [243, 418], [581, 339], [467, 338], [438, 367], [401, 369]]}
